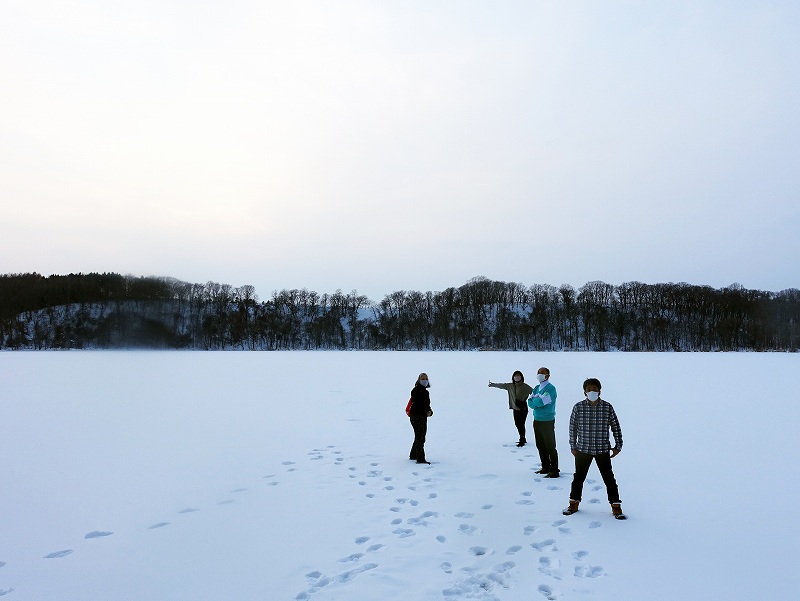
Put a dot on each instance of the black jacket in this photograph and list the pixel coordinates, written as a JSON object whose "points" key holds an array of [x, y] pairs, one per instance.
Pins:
{"points": [[420, 401]]}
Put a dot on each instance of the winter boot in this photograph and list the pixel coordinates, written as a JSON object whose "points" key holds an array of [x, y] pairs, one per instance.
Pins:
{"points": [[573, 507], [616, 510]]}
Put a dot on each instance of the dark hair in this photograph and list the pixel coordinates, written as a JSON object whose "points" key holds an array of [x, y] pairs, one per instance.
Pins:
{"points": [[520, 375], [590, 382]]}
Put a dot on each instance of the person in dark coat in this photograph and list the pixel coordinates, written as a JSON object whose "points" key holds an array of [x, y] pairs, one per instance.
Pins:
{"points": [[518, 393], [418, 413]]}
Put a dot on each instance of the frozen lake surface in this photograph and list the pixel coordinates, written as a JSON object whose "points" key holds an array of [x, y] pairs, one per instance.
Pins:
{"points": [[279, 476]]}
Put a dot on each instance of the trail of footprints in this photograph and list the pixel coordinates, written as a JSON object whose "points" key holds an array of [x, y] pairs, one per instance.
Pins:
{"points": [[471, 581]]}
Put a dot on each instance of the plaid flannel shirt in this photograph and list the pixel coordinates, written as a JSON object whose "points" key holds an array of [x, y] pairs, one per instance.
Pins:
{"points": [[589, 426]]}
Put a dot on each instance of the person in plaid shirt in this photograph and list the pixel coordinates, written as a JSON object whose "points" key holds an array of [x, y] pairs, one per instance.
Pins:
{"points": [[589, 424]]}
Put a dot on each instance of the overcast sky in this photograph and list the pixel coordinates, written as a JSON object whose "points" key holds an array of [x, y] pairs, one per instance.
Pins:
{"points": [[401, 145]]}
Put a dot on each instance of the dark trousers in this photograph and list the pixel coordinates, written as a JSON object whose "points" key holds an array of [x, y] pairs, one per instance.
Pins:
{"points": [[582, 463], [520, 417], [420, 425], [545, 433]]}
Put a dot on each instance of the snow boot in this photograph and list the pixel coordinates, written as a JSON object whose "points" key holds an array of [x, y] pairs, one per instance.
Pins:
{"points": [[552, 475], [542, 471], [573, 507], [616, 510]]}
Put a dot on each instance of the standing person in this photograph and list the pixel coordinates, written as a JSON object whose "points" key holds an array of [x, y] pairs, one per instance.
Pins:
{"points": [[589, 424], [543, 403], [518, 392], [419, 412]]}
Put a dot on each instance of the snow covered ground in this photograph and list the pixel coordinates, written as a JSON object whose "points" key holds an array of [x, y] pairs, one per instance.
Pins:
{"points": [[280, 476]]}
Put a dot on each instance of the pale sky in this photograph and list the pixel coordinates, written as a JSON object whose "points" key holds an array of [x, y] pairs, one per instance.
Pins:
{"points": [[399, 145]]}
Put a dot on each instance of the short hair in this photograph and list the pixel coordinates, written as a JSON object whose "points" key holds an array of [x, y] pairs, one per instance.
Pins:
{"points": [[520, 375], [590, 382], [546, 370]]}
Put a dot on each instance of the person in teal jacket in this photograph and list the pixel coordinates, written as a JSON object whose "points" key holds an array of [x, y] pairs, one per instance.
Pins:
{"points": [[543, 402]]}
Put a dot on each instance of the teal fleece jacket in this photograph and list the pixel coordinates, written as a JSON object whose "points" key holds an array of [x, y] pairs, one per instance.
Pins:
{"points": [[543, 402]]}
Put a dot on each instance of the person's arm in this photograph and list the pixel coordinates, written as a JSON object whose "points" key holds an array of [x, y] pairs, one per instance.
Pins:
{"points": [[504, 386], [573, 429], [613, 422], [542, 397]]}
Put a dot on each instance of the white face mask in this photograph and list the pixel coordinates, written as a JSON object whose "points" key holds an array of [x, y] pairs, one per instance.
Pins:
{"points": [[423, 383], [517, 378], [541, 377], [592, 396]]}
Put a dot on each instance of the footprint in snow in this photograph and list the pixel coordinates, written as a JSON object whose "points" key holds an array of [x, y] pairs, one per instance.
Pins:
{"points": [[594, 500], [513, 550], [403, 532], [351, 557], [2, 563], [595, 524], [467, 529], [487, 506], [540, 546], [375, 547], [559, 523], [97, 534], [158, 525], [553, 487], [388, 488], [548, 592], [189, 510], [58, 554], [525, 502], [580, 554], [596, 488], [287, 463], [397, 521], [588, 572], [529, 530], [548, 567], [465, 515], [441, 539], [447, 567], [479, 551], [527, 493], [226, 502], [361, 540], [6, 591], [370, 495], [433, 495]]}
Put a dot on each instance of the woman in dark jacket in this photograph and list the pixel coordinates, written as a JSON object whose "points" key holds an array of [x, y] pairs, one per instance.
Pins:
{"points": [[518, 393], [419, 412]]}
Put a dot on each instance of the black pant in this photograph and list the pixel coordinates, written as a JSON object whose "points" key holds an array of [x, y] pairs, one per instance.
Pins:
{"points": [[420, 425], [582, 463], [520, 416], [545, 433]]}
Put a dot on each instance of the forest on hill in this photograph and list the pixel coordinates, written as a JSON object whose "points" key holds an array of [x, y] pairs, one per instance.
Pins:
{"points": [[109, 310]]}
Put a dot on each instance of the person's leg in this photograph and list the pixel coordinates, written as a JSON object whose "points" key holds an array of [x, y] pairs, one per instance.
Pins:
{"points": [[420, 424], [582, 463], [604, 465], [549, 437], [520, 417], [541, 446]]}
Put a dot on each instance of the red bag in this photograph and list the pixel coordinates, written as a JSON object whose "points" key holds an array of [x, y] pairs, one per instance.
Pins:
{"points": [[408, 407]]}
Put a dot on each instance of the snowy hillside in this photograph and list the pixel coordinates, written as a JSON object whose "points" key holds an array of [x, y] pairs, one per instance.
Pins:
{"points": [[280, 476]]}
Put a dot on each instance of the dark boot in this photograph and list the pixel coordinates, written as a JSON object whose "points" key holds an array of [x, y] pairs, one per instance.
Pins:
{"points": [[616, 510]]}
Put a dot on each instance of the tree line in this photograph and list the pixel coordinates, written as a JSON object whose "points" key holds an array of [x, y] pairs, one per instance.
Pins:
{"points": [[114, 311]]}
